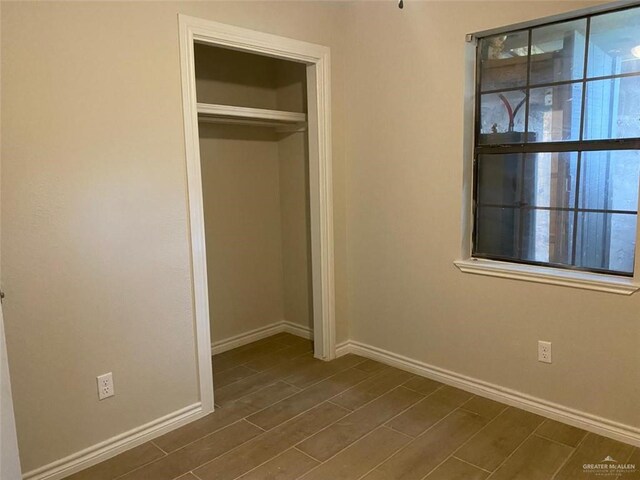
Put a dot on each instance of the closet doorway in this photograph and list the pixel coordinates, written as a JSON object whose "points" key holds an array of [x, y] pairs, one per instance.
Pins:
{"points": [[258, 151]]}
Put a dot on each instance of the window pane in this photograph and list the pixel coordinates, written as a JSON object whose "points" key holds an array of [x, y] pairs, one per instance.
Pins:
{"points": [[606, 241], [525, 234], [502, 117], [612, 42], [497, 231], [503, 61], [547, 236], [612, 108], [554, 113], [550, 179], [499, 178], [542, 180], [557, 52], [609, 180]]}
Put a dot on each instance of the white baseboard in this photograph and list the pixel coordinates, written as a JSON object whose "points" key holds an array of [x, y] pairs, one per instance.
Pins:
{"points": [[260, 333], [115, 445], [343, 348], [247, 337], [561, 413], [298, 330]]}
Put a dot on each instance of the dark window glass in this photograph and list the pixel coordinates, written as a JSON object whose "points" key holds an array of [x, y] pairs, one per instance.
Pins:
{"points": [[503, 60]]}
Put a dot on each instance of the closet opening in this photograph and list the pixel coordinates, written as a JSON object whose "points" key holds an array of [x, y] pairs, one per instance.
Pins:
{"points": [[255, 179], [259, 179]]}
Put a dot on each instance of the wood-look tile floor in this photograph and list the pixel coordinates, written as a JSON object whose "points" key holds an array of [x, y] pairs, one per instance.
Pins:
{"points": [[283, 415]]}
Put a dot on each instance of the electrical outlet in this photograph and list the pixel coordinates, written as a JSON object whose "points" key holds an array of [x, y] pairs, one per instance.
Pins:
{"points": [[105, 386], [544, 351]]}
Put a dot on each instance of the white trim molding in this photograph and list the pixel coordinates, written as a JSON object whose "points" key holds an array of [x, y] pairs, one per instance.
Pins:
{"points": [[297, 330], [317, 61], [593, 423], [260, 333], [549, 276], [246, 338], [109, 448]]}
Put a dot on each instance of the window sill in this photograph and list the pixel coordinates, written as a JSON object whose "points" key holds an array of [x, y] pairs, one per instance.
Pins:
{"points": [[550, 276]]}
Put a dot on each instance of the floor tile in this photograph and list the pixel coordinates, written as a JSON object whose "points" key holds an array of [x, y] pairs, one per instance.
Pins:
{"points": [[224, 416], [321, 370], [233, 374], [536, 459], [499, 439], [269, 359], [239, 356], [362, 456], [484, 407], [428, 411], [271, 443], [634, 472], [197, 453], [423, 385], [246, 386], [290, 339], [383, 381], [593, 450], [426, 452], [371, 366], [561, 432], [290, 465], [120, 464], [454, 469], [341, 434], [306, 399]]}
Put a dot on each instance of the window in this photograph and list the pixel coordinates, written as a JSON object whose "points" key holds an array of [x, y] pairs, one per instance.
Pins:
{"points": [[557, 144]]}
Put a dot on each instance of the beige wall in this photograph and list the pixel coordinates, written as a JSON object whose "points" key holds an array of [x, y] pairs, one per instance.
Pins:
{"points": [[294, 200], [241, 193], [404, 181], [95, 253], [95, 248], [256, 221], [244, 79], [296, 247]]}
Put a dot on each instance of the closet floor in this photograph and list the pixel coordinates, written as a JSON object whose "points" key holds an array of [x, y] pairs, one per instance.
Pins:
{"points": [[281, 414]]}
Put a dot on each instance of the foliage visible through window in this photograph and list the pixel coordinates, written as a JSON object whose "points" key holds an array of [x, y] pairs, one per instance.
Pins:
{"points": [[557, 149]]}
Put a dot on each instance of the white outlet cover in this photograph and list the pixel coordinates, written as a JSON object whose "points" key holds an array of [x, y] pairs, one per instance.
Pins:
{"points": [[544, 351], [105, 386]]}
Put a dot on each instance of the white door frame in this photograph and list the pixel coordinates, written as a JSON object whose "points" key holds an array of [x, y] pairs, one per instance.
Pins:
{"points": [[316, 58]]}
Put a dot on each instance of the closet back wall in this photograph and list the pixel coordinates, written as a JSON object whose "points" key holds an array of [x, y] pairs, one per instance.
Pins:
{"points": [[240, 178]]}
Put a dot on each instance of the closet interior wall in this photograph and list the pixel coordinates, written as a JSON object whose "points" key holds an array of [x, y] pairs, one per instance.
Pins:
{"points": [[255, 192]]}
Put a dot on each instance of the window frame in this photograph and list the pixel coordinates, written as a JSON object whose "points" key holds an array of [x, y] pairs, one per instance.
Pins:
{"points": [[524, 270]]}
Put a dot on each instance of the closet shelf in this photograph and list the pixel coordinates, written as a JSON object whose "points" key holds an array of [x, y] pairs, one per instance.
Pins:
{"points": [[214, 113]]}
